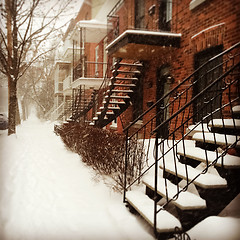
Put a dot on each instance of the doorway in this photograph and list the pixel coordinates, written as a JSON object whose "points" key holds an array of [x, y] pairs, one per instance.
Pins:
{"points": [[209, 101]]}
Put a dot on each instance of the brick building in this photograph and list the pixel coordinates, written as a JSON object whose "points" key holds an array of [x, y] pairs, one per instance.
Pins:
{"points": [[171, 84], [192, 32]]}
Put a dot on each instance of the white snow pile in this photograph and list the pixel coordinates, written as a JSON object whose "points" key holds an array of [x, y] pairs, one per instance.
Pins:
{"points": [[47, 193], [220, 228]]}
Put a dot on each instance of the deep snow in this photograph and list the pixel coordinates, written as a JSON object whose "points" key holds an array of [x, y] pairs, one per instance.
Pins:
{"points": [[47, 193]]}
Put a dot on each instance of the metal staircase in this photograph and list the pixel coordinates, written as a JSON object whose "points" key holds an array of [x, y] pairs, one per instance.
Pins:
{"points": [[194, 171], [83, 102], [112, 98], [117, 95]]}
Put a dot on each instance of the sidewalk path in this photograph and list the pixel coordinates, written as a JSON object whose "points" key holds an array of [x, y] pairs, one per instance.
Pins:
{"points": [[47, 193]]}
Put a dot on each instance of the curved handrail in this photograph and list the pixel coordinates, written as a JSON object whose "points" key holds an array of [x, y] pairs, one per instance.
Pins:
{"points": [[179, 85]]}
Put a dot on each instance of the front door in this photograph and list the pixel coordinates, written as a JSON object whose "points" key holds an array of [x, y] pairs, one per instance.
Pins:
{"points": [[210, 100]]}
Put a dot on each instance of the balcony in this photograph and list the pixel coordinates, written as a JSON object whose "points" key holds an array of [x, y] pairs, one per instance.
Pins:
{"points": [[91, 74], [148, 33], [143, 44]]}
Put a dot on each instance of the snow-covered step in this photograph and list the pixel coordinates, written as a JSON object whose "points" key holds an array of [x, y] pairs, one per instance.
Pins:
{"points": [[117, 102], [185, 200], [119, 97], [122, 91], [229, 161], [236, 109], [125, 71], [95, 118], [124, 85], [110, 112], [221, 139], [206, 180], [166, 222], [113, 107], [127, 64], [124, 78], [110, 107], [192, 129], [227, 123]]}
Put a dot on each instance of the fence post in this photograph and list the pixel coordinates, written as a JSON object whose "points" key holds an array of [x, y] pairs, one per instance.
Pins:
{"points": [[125, 167]]}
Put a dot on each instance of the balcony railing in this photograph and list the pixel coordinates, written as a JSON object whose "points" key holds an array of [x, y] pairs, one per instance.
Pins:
{"points": [[88, 69]]}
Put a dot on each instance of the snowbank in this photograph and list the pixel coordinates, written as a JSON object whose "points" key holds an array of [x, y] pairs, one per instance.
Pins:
{"points": [[48, 193]]}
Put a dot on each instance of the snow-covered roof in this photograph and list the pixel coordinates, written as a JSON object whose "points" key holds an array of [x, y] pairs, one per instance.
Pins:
{"points": [[105, 9], [96, 29]]}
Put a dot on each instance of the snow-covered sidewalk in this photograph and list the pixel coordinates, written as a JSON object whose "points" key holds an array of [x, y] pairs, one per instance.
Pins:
{"points": [[47, 193]]}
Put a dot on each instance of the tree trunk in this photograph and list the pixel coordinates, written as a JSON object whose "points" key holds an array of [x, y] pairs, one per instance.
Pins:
{"points": [[12, 106]]}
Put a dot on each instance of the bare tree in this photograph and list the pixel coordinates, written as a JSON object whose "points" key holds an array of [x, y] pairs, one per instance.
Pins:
{"points": [[26, 27], [36, 87]]}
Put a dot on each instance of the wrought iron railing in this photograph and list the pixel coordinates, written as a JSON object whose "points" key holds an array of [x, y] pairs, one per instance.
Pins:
{"points": [[177, 110], [89, 69], [82, 104], [93, 101]]}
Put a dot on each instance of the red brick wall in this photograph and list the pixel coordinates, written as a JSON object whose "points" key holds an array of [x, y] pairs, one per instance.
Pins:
{"points": [[212, 23], [224, 15]]}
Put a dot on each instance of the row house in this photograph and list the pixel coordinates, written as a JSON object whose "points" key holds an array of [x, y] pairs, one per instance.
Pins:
{"points": [[81, 61], [166, 73]]}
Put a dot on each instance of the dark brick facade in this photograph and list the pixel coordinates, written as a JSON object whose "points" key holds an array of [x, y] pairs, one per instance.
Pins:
{"points": [[212, 23]]}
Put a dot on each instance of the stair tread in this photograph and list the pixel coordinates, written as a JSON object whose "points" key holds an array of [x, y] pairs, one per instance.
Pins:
{"points": [[186, 200], [226, 123], [192, 129], [113, 108], [110, 113], [114, 102], [122, 90], [206, 180], [236, 109], [124, 78], [229, 161], [117, 96], [126, 71], [166, 222], [124, 85], [128, 64], [220, 138]]}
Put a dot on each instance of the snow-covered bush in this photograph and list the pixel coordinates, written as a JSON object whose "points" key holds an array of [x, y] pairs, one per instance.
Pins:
{"points": [[104, 151]]}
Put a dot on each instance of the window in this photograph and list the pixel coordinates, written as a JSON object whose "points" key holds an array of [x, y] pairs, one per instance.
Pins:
{"points": [[165, 15], [139, 14], [169, 11]]}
